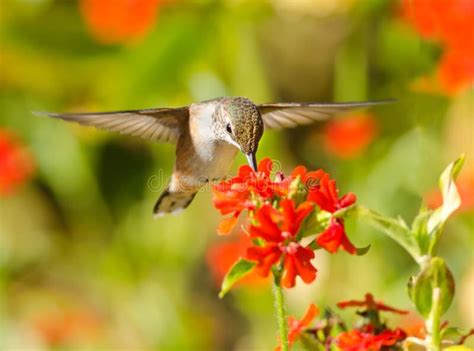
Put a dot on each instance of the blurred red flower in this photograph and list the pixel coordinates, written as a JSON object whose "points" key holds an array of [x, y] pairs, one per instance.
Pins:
{"points": [[278, 230], [16, 163], [119, 21], [370, 304], [222, 255], [465, 185], [450, 23], [68, 326], [456, 70], [348, 137], [297, 327], [366, 339], [413, 325]]}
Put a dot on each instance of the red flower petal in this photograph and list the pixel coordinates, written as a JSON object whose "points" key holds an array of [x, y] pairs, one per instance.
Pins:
{"points": [[16, 163], [265, 256], [227, 224], [335, 237], [367, 340], [303, 264], [298, 263], [267, 228], [297, 327], [347, 200], [265, 166]]}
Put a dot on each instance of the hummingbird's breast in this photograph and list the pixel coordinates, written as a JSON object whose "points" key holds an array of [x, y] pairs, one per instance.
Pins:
{"points": [[200, 157]]}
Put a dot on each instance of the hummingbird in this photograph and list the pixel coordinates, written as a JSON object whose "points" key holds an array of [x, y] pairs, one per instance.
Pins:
{"points": [[208, 135]]}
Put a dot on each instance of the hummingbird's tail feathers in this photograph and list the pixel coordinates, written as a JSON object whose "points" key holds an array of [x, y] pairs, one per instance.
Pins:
{"points": [[172, 202]]}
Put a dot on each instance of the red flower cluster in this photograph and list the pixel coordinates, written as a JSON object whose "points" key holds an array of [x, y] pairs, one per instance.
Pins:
{"points": [[366, 339], [348, 137], [374, 335], [449, 22], [119, 21], [278, 210], [370, 335], [16, 163]]}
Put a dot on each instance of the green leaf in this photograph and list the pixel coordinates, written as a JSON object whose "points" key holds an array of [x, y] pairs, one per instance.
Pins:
{"points": [[420, 231], [237, 271], [435, 274], [361, 251], [394, 228], [451, 201], [313, 245], [316, 222], [346, 211], [311, 343], [451, 332]]}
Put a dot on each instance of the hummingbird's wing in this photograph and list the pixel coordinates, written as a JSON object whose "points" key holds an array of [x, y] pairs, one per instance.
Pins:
{"points": [[291, 114], [159, 124]]}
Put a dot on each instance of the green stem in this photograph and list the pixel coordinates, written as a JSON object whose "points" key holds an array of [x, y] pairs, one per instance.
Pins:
{"points": [[281, 315], [433, 324]]}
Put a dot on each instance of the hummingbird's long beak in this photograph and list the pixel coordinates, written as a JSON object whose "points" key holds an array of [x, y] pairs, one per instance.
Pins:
{"points": [[252, 160]]}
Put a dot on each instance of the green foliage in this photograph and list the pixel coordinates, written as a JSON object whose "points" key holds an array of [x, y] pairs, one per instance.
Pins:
{"points": [[237, 271], [394, 228], [420, 240]]}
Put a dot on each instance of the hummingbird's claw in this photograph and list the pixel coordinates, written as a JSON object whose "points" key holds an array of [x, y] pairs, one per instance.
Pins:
{"points": [[252, 160]]}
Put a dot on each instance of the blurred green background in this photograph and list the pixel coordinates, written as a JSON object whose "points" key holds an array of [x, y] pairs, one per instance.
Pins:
{"points": [[83, 265]]}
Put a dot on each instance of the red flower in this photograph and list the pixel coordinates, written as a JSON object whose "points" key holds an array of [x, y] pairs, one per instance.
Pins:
{"points": [[370, 304], [297, 327], [279, 230], [235, 195], [456, 70], [335, 237], [349, 137], [365, 339], [326, 195], [222, 255], [16, 163], [119, 21], [450, 23]]}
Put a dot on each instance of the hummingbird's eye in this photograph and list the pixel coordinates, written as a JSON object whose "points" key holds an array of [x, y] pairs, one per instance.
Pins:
{"points": [[228, 128]]}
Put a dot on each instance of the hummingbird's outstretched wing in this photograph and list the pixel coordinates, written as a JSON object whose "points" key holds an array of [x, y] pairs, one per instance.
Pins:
{"points": [[159, 124], [292, 114]]}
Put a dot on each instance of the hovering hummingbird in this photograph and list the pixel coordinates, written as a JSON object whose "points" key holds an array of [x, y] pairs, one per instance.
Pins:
{"points": [[208, 135]]}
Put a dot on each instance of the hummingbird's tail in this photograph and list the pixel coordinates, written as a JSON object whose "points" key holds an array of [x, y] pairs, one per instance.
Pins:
{"points": [[172, 202]]}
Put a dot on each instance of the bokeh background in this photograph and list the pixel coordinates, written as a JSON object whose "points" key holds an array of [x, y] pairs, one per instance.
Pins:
{"points": [[83, 265]]}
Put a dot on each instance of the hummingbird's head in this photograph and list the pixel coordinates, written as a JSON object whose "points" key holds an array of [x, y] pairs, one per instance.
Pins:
{"points": [[242, 126]]}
